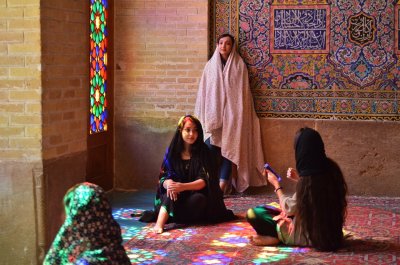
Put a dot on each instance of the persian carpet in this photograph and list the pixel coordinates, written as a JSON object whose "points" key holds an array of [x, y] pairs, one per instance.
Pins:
{"points": [[373, 224]]}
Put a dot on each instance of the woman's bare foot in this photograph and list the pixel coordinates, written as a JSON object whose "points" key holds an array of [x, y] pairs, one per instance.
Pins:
{"points": [[158, 230], [161, 221], [258, 240]]}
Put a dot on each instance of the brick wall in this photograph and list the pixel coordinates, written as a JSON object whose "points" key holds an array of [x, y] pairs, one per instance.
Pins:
{"points": [[44, 94], [65, 76], [20, 84], [160, 52], [20, 128]]}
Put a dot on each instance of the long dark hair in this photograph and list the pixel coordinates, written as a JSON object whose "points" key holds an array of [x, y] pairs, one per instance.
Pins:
{"points": [[200, 155], [321, 195]]}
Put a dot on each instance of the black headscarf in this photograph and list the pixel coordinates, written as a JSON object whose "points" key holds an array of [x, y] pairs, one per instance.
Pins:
{"points": [[310, 153]]}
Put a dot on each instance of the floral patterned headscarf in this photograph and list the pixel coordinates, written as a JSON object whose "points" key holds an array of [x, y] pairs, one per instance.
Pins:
{"points": [[89, 235]]}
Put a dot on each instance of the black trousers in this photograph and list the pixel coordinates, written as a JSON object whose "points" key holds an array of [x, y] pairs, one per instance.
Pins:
{"points": [[190, 208]]}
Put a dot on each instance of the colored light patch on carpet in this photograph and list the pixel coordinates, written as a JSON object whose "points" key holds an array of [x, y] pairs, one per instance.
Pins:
{"points": [[235, 237], [213, 257], [129, 232], [126, 213], [176, 234], [230, 240], [142, 256], [372, 226]]}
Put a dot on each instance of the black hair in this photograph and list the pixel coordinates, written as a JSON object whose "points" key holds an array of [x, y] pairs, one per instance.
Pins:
{"points": [[321, 201], [200, 154]]}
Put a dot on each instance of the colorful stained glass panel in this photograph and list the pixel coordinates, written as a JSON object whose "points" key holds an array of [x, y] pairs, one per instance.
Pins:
{"points": [[98, 66]]}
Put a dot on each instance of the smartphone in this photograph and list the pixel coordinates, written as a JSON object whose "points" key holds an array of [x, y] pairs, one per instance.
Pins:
{"points": [[267, 166]]}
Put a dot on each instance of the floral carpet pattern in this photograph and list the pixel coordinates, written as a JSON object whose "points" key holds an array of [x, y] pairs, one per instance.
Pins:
{"points": [[372, 222]]}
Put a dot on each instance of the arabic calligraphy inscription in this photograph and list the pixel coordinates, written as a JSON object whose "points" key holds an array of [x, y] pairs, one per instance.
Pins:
{"points": [[361, 29]]}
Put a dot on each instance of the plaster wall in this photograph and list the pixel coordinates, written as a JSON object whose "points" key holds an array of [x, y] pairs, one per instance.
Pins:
{"points": [[17, 213], [366, 151]]}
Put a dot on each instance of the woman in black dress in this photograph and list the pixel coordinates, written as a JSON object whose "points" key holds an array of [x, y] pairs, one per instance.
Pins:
{"points": [[188, 189]]}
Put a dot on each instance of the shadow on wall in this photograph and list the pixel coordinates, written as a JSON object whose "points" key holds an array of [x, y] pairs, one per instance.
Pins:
{"points": [[59, 175], [139, 150], [367, 151]]}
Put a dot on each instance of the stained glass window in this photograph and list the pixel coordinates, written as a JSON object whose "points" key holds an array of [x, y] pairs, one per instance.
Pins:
{"points": [[98, 66]]}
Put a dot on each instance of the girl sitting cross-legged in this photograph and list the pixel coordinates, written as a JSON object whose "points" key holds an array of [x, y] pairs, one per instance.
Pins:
{"points": [[315, 214], [188, 187]]}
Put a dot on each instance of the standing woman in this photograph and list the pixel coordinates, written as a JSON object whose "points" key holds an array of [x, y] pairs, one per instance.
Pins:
{"points": [[225, 107], [315, 214], [187, 190]]}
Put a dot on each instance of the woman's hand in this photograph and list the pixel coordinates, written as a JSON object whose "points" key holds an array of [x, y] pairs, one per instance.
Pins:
{"points": [[173, 195], [176, 187], [292, 174], [171, 192], [272, 178]]}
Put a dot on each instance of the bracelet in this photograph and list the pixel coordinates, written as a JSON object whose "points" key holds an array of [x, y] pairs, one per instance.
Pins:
{"points": [[279, 188]]}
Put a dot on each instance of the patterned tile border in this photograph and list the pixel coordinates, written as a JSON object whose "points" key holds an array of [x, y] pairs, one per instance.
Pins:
{"points": [[348, 80]]}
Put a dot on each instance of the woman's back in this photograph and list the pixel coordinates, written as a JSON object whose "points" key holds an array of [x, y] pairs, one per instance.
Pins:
{"points": [[321, 207]]}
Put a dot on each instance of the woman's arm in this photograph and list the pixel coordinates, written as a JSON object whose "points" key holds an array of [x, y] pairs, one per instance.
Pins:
{"points": [[179, 187], [288, 204]]}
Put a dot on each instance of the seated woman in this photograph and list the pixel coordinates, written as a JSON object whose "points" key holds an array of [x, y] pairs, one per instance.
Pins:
{"points": [[315, 214], [188, 189], [89, 235]]}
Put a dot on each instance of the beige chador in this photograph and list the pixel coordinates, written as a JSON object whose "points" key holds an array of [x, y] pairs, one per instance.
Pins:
{"points": [[225, 108]]}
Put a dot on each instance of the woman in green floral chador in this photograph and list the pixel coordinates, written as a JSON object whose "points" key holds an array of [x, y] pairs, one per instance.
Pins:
{"points": [[89, 235]]}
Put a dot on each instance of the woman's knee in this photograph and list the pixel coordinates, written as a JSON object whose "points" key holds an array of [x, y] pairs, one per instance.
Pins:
{"points": [[198, 200], [250, 214], [195, 207]]}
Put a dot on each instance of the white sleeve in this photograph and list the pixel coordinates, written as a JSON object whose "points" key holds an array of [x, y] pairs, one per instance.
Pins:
{"points": [[288, 204]]}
